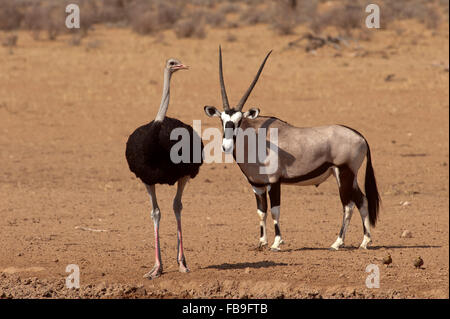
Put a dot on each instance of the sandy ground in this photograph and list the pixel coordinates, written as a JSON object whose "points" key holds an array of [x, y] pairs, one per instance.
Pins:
{"points": [[66, 113]]}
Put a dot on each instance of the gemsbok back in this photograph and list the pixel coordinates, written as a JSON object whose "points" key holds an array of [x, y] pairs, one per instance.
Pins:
{"points": [[303, 156]]}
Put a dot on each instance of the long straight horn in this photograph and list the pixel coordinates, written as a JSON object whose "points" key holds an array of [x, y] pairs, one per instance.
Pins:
{"points": [[226, 105], [245, 97]]}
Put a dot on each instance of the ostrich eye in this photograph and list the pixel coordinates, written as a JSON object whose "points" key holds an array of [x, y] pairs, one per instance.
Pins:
{"points": [[172, 63]]}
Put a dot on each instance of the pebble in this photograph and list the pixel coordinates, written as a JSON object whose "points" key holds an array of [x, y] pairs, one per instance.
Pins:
{"points": [[406, 234]]}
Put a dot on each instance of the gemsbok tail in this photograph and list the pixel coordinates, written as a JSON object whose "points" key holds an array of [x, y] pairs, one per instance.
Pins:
{"points": [[370, 187]]}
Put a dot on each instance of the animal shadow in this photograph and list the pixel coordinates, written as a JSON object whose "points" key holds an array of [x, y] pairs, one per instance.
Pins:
{"points": [[255, 265], [403, 247]]}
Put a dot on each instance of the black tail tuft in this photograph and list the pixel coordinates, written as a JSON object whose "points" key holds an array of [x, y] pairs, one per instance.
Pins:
{"points": [[370, 185]]}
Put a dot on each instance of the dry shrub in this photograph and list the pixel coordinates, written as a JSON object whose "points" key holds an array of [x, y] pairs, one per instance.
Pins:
{"points": [[283, 19], [143, 22], [205, 3], [147, 17], [93, 44], [444, 4], [284, 15], [191, 27], [10, 40], [112, 11], [227, 8], [254, 15], [49, 18], [10, 16], [215, 18], [421, 10], [345, 17], [231, 37], [75, 40]]}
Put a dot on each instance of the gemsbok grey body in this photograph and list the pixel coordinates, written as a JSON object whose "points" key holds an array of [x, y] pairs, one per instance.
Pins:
{"points": [[303, 156]]}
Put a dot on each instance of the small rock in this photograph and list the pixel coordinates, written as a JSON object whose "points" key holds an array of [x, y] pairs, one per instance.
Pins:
{"points": [[406, 234], [387, 260], [405, 203], [247, 270], [418, 262], [389, 77]]}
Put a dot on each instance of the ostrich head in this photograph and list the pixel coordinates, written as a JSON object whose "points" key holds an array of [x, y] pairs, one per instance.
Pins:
{"points": [[174, 65]]}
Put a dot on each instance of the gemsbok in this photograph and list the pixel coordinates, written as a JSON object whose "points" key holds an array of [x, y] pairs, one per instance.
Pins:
{"points": [[303, 156]]}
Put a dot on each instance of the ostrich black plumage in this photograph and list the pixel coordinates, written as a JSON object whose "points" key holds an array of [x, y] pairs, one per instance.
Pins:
{"points": [[148, 156]]}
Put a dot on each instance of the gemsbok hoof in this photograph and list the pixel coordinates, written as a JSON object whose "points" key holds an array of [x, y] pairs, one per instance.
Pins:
{"points": [[261, 246]]}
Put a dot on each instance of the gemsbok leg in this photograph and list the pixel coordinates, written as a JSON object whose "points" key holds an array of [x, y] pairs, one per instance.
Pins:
{"points": [[261, 204], [351, 195], [275, 200]]}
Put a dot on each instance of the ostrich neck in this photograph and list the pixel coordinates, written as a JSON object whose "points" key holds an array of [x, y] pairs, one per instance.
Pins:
{"points": [[165, 97]]}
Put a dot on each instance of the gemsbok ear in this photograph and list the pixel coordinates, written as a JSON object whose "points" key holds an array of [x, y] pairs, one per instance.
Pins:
{"points": [[211, 111], [252, 113]]}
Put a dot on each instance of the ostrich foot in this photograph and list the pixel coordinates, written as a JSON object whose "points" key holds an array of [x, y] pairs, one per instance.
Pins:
{"points": [[155, 272], [184, 269], [182, 266]]}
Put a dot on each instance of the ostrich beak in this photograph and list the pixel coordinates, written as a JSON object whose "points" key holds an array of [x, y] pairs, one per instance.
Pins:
{"points": [[181, 67]]}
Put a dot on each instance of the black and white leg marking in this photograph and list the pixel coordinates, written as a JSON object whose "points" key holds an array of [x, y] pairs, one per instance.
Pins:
{"points": [[275, 200], [261, 203], [364, 212], [351, 195]]}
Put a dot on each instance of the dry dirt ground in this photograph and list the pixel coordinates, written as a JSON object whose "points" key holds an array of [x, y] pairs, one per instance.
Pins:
{"points": [[67, 111]]}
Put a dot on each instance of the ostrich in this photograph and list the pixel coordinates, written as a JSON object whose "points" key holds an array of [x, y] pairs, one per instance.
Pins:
{"points": [[148, 157]]}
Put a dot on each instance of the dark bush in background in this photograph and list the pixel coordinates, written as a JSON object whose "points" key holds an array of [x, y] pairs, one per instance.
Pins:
{"points": [[10, 16], [189, 18]]}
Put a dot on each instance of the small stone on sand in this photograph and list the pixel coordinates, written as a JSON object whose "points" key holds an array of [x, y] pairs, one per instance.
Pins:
{"points": [[406, 234]]}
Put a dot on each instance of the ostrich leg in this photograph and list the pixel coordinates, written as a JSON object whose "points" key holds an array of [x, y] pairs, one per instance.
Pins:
{"points": [[177, 207], [156, 216]]}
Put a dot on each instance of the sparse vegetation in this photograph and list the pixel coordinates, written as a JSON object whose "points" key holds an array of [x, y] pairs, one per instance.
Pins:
{"points": [[10, 16], [10, 40], [192, 27], [189, 18]]}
